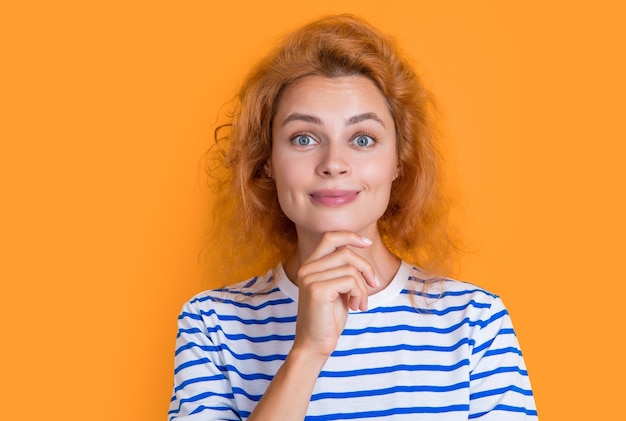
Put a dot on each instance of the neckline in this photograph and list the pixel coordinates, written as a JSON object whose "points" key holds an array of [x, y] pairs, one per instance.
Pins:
{"points": [[399, 281]]}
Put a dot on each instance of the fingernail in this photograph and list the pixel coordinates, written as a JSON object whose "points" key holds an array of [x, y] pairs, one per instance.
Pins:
{"points": [[366, 240]]}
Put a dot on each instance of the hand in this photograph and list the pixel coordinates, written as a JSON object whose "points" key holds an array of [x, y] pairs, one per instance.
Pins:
{"points": [[332, 280]]}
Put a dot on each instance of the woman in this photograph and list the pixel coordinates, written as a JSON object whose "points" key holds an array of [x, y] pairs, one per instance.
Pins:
{"points": [[333, 165]]}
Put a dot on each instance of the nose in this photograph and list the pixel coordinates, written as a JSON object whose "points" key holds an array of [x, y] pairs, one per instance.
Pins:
{"points": [[333, 161]]}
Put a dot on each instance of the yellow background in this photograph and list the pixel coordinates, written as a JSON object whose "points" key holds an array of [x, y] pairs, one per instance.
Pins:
{"points": [[107, 108]]}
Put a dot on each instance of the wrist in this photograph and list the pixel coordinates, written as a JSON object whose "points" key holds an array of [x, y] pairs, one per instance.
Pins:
{"points": [[306, 361]]}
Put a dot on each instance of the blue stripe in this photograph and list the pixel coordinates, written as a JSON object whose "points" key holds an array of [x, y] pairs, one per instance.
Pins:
{"points": [[361, 372], [482, 346], [228, 295], [395, 368], [241, 392], [501, 391], [188, 331], [190, 345], [218, 294], [413, 310], [389, 412], [250, 356], [365, 393], [499, 370], [501, 351], [220, 409], [211, 312], [390, 390], [241, 336], [190, 315], [420, 329], [237, 288], [224, 347], [191, 363], [198, 380], [506, 408], [258, 339], [251, 282], [244, 304], [497, 316], [447, 293], [338, 353], [400, 347], [199, 397], [255, 376], [292, 319]]}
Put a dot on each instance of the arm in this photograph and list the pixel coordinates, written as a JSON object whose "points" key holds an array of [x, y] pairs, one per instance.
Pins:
{"points": [[499, 383], [287, 397], [332, 280], [201, 391]]}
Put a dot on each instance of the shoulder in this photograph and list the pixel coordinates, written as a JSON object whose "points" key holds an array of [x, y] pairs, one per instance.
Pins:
{"points": [[447, 293], [250, 292]]}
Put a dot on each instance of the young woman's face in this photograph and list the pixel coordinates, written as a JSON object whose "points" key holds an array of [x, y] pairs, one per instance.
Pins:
{"points": [[333, 154]]}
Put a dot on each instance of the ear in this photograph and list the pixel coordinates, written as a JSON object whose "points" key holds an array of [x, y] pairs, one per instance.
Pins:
{"points": [[268, 169]]}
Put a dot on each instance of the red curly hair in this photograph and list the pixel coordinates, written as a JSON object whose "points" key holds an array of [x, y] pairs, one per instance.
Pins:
{"points": [[249, 226]]}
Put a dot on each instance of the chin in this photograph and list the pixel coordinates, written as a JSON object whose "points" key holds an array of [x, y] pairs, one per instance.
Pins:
{"points": [[344, 226]]}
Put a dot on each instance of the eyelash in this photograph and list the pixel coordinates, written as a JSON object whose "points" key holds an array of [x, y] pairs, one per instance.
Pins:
{"points": [[294, 139], [365, 134]]}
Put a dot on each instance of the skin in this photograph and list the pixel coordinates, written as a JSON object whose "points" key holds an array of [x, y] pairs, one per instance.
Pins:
{"points": [[334, 160]]}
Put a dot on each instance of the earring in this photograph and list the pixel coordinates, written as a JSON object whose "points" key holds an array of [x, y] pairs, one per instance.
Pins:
{"points": [[395, 176]]}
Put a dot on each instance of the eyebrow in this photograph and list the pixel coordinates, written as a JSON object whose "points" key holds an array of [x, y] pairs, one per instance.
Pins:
{"points": [[365, 116], [352, 120], [301, 117]]}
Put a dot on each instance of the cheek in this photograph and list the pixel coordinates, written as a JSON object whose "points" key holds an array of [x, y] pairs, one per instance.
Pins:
{"points": [[380, 174], [289, 169], [282, 173], [288, 181]]}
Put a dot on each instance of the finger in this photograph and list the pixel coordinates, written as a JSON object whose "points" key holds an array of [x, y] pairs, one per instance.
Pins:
{"points": [[355, 291], [334, 240], [339, 259], [328, 276], [346, 285], [333, 252]]}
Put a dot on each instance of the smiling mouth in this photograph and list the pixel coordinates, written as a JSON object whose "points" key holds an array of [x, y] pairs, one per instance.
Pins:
{"points": [[334, 198]]}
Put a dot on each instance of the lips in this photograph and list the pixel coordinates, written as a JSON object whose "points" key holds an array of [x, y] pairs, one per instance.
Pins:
{"points": [[334, 198]]}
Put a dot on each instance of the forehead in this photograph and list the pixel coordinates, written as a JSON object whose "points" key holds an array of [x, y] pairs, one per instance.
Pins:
{"points": [[329, 96]]}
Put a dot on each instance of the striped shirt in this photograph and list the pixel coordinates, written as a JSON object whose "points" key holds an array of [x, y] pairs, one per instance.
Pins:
{"points": [[449, 353]]}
